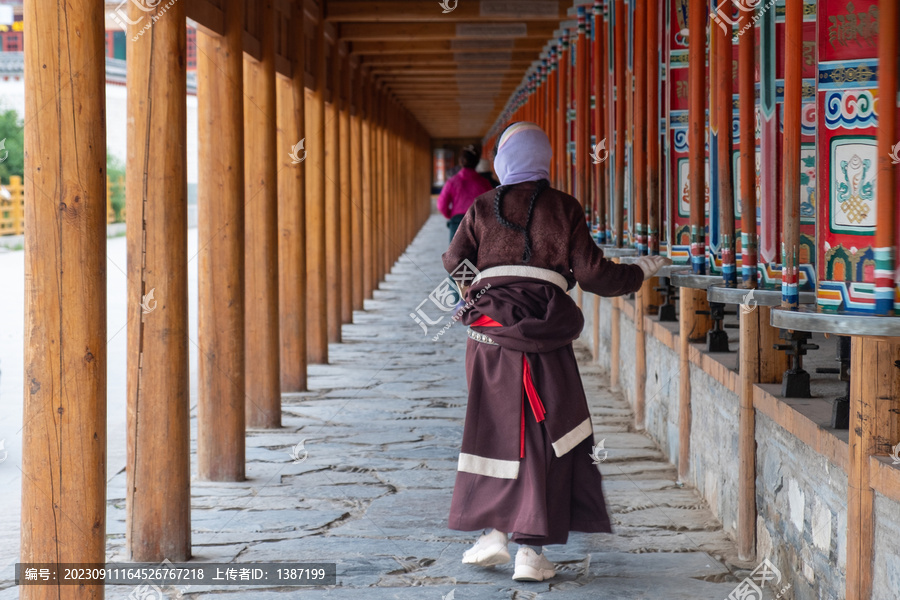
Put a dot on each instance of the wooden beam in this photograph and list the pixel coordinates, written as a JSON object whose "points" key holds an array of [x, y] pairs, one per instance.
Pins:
{"points": [[446, 46], [519, 58], [355, 32], [424, 12], [158, 476], [207, 15], [64, 432], [220, 116], [261, 324], [291, 120]]}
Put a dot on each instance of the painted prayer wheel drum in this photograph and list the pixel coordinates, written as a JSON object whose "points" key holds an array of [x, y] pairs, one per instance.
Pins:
{"points": [[771, 42], [848, 118], [676, 101]]}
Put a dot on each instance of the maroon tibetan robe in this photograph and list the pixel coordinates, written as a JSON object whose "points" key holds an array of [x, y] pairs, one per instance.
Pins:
{"points": [[533, 478]]}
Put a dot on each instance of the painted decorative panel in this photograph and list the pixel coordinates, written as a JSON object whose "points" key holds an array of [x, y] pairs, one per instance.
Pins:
{"points": [[847, 103]]}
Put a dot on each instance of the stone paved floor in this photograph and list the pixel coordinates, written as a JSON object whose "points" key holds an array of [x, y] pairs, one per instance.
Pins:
{"points": [[382, 426]]}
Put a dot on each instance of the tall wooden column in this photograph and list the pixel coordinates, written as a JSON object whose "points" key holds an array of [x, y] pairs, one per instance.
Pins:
{"points": [[291, 105], [356, 185], [64, 434], [749, 355], [333, 214], [347, 211], [316, 277], [157, 473], [261, 337], [692, 327], [697, 17], [220, 116], [874, 406], [724, 93], [368, 224], [386, 181]]}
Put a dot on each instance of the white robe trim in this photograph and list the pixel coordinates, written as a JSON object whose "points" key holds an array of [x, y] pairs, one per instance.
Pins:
{"points": [[573, 438], [489, 467], [524, 271]]}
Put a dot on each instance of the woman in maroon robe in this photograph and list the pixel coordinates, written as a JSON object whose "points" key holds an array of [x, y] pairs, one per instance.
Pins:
{"points": [[525, 466]]}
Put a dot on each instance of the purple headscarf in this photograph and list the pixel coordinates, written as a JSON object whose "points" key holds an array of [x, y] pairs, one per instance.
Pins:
{"points": [[523, 154]]}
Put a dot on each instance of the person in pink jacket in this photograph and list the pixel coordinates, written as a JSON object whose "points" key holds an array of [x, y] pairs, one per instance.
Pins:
{"points": [[461, 190]]}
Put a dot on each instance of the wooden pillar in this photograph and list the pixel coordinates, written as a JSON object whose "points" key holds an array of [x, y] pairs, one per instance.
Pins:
{"points": [[582, 110], [749, 355], [697, 17], [220, 116], [64, 433], [615, 334], [793, 83], [561, 113], [600, 100], [356, 184], [692, 329], [377, 195], [346, 170], [621, 124], [157, 473], [653, 194], [640, 125], [640, 355], [368, 246], [291, 106], [724, 94], [747, 111], [333, 214], [386, 165], [261, 336], [316, 275], [552, 95], [874, 410]]}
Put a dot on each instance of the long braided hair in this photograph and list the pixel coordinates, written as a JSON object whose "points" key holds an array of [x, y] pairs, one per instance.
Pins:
{"points": [[542, 185]]}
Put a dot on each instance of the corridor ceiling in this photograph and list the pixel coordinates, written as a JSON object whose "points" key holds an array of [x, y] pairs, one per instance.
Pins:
{"points": [[453, 65]]}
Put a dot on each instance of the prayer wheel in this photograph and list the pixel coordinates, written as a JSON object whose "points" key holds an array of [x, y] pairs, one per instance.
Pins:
{"points": [[853, 260]]}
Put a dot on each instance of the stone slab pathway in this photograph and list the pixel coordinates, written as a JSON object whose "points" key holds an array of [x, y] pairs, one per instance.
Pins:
{"points": [[381, 428]]}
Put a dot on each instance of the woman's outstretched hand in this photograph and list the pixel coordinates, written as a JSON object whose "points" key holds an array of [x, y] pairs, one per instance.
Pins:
{"points": [[651, 264]]}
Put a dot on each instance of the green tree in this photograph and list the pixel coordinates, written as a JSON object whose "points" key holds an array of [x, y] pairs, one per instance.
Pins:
{"points": [[12, 137], [115, 172]]}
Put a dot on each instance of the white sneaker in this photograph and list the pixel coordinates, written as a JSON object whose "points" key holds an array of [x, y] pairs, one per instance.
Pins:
{"points": [[531, 566], [490, 549]]}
